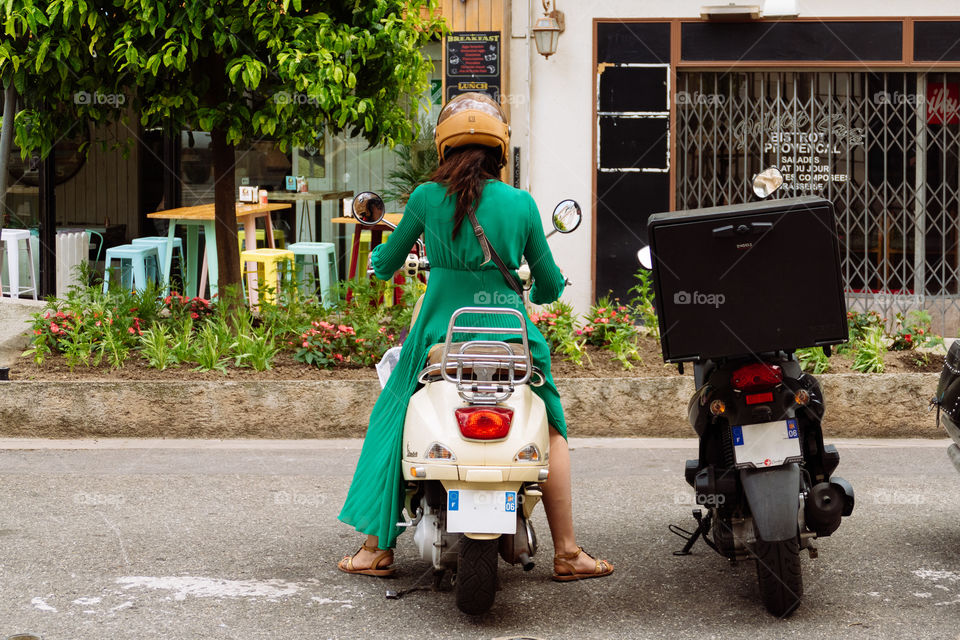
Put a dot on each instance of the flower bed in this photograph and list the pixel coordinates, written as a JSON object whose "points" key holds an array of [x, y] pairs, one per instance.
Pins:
{"points": [[123, 335]]}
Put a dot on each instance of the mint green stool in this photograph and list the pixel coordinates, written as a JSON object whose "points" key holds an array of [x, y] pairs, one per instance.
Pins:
{"points": [[325, 261], [160, 243], [136, 256]]}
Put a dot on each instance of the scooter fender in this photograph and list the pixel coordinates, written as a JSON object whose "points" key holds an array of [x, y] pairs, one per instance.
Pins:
{"points": [[774, 499]]}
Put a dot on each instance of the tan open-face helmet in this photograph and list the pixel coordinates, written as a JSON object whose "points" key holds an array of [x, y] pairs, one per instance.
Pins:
{"points": [[472, 118]]}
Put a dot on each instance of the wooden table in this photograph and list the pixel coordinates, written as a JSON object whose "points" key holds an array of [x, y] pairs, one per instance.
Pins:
{"points": [[203, 216], [301, 198], [376, 237]]}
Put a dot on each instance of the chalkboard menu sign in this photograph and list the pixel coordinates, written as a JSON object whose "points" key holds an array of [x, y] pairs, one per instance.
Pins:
{"points": [[473, 63]]}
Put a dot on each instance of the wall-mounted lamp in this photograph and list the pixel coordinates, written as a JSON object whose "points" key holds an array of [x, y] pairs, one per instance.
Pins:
{"points": [[730, 12], [547, 29]]}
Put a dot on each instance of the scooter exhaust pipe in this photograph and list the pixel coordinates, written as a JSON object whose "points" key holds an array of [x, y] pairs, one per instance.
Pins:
{"points": [[526, 561]]}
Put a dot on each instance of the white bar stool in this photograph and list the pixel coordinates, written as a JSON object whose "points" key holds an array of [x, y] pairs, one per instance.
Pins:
{"points": [[10, 243]]}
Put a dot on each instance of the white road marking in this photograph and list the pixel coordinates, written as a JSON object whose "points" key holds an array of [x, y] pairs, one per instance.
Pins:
{"points": [[38, 603], [199, 587], [936, 575]]}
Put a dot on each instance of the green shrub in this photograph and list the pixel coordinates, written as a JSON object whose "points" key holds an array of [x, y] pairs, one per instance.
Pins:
{"points": [[870, 351]]}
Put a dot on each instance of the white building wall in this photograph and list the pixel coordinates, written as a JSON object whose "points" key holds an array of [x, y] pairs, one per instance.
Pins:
{"points": [[554, 128]]}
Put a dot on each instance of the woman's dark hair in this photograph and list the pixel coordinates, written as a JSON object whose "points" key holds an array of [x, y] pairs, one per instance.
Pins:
{"points": [[463, 172]]}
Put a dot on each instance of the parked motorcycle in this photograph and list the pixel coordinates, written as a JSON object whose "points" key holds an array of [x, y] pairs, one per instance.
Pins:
{"points": [[475, 442], [763, 474], [947, 400]]}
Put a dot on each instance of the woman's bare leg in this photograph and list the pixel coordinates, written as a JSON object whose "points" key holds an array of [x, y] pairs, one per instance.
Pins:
{"points": [[558, 504]]}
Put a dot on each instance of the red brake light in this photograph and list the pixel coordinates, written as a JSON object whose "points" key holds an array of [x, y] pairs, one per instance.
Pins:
{"points": [[759, 398], [754, 377], [484, 423]]}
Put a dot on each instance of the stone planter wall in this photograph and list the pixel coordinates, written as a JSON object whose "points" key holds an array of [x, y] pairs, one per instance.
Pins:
{"points": [[892, 405]]}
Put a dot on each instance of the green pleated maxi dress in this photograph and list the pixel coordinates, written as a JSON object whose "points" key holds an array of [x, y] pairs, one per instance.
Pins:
{"points": [[457, 279]]}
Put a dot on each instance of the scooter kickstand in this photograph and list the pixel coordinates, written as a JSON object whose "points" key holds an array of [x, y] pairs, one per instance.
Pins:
{"points": [[703, 525], [416, 586]]}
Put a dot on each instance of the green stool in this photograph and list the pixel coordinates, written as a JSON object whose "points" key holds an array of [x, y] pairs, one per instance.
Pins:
{"points": [[325, 261], [136, 256], [160, 243]]}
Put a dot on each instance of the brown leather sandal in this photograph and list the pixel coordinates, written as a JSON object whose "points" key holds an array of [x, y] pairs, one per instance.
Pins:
{"points": [[346, 565], [602, 569]]}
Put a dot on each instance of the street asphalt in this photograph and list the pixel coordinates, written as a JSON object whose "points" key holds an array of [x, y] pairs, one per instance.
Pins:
{"points": [[197, 540]]}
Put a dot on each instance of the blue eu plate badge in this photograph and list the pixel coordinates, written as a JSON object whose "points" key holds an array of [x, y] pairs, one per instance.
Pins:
{"points": [[511, 502], [792, 429], [453, 501]]}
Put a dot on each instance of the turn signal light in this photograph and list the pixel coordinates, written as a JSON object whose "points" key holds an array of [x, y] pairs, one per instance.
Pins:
{"points": [[718, 407], [484, 423], [802, 398], [756, 377], [438, 451], [530, 453]]}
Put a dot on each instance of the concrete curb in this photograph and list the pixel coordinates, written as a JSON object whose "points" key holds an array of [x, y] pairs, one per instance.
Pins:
{"points": [[858, 406]]}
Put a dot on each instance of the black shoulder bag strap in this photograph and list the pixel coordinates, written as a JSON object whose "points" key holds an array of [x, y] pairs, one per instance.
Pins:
{"points": [[490, 254]]}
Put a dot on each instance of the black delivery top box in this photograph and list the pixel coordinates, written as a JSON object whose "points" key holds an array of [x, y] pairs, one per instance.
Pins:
{"points": [[746, 279]]}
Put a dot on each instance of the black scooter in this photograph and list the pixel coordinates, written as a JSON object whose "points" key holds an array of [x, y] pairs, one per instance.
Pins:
{"points": [[763, 474], [947, 401]]}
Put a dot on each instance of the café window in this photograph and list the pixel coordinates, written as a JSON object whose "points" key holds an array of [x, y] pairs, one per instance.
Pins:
{"points": [[260, 163], [884, 147]]}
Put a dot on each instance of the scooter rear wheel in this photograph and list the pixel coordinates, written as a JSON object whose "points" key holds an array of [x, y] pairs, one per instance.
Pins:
{"points": [[779, 575], [476, 582]]}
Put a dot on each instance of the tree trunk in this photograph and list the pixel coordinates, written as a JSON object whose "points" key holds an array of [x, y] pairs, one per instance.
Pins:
{"points": [[226, 214], [6, 141]]}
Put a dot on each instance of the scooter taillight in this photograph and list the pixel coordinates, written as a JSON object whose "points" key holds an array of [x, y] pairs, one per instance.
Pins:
{"points": [[484, 423], [757, 376]]}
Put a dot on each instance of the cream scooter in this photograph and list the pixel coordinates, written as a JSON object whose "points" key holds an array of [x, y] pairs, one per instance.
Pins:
{"points": [[475, 441]]}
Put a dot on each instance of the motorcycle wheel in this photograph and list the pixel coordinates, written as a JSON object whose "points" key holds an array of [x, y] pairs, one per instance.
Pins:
{"points": [[779, 575], [476, 584]]}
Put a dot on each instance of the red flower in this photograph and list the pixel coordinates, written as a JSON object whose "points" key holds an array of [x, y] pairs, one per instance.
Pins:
{"points": [[130, 330], [194, 315], [54, 327], [305, 344], [907, 338]]}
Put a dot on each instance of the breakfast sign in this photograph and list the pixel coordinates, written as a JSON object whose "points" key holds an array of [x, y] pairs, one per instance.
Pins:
{"points": [[473, 63]]}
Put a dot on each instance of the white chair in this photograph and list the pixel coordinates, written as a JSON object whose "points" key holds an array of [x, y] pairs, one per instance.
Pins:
{"points": [[10, 244]]}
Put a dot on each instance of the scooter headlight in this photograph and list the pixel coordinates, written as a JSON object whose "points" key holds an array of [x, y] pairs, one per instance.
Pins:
{"points": [[439, 451], [530, 453]]}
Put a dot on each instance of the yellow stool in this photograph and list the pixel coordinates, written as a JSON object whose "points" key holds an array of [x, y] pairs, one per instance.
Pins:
{"points": [[363, 258], [270, 282], [279, 238]]}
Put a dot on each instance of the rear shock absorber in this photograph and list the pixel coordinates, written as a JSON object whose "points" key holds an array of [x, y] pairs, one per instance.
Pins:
{"points": [[726, 442]]}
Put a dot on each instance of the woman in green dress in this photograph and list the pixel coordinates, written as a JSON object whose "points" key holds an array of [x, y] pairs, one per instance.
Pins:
{"points": [[472, 140]]}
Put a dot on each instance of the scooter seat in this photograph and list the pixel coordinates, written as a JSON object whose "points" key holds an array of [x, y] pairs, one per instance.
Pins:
{"points": [[502, 373], [435, 355]]}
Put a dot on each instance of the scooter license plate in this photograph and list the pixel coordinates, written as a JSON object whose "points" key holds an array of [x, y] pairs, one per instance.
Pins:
{"points": [[477, 511], [767, 444]]}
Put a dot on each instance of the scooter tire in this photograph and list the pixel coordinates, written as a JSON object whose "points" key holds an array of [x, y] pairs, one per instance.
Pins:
{"points": [[779, 575], [476, 581]]}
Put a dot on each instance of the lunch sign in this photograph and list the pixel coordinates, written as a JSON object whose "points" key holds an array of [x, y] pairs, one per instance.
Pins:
{"points": [[473, 63]]}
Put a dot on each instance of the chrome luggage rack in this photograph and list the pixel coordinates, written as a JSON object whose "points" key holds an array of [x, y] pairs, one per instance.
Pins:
{"points": [[484, 359]]}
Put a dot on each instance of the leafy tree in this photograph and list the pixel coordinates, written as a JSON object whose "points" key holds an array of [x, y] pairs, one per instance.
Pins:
{"points": [[241, 69]]}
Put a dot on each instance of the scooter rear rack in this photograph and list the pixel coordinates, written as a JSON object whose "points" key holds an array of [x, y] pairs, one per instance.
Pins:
{"points": [[484, 389]]}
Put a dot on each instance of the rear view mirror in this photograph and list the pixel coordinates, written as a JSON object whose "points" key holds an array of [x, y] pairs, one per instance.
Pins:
{"points": [[368, 208], [644, 258], [567, 216], [767, 181]]}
